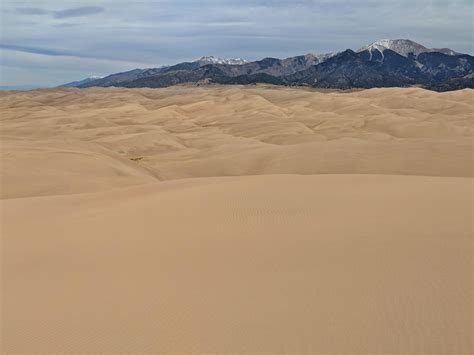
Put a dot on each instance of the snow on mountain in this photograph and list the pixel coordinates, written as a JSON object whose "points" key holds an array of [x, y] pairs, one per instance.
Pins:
{"points": [[216, 60], [445, 51], [403, 47], [319, 58]]}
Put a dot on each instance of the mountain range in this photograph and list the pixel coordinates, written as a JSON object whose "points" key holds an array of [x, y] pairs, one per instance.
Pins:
{"points": [[384, 63]]}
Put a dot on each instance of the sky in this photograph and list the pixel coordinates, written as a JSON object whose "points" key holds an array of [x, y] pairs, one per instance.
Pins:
{"points": [[45, 43]]}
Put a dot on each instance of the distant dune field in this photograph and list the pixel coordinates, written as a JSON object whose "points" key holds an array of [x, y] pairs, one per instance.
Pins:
{"points": [[236, 219]]}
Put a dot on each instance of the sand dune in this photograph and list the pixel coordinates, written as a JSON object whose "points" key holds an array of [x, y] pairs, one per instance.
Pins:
{"points": [[316, 264], [184, 132], [236, 220]]}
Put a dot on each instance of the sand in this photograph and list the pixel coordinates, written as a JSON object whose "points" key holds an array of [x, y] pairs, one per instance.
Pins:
{"points": [[73, 141], [236, 220]]}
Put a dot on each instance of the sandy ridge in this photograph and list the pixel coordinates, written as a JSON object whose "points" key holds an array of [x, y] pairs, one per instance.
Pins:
{"points": [[142, 134]]}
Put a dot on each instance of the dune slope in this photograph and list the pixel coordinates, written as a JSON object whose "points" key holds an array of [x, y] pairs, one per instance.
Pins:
{"points": [[236, 220], [294, 264]]}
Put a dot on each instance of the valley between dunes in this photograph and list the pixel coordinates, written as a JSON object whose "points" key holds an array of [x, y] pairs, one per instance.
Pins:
{"points": [[231, 219]]}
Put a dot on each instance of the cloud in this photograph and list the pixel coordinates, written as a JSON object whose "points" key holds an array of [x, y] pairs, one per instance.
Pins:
{"points": [[60, 14], [32, 11], [34, 50], [78, 11]]}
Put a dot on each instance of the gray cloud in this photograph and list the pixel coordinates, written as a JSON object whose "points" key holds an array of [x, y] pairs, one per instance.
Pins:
{"points": [[32, 11], [34, 50], [78, 11]]}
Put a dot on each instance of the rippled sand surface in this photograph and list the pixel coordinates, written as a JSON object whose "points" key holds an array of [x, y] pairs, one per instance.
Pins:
{"points": [[236, 220]]}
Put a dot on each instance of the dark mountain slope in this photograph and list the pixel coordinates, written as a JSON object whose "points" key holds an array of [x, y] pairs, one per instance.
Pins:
{"points": [[211, 73], [273, 66], [441, 67], [116, 79], [353, 70], [466, 82], [208, 72]]}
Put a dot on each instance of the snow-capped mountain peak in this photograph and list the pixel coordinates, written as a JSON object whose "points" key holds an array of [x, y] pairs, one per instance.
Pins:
{"points": [[216, 60], [403, 47]]}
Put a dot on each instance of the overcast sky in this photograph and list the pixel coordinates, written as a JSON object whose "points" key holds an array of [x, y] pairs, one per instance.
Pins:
{"points": [[50, 42]]}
